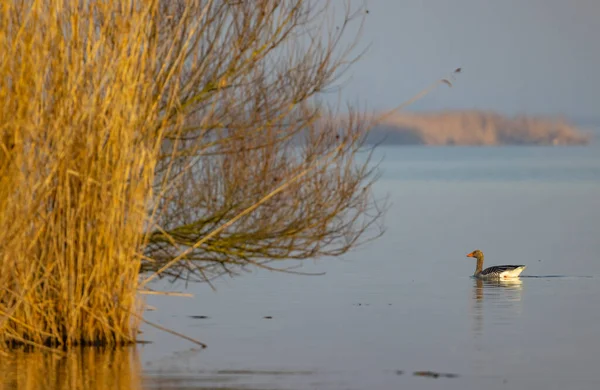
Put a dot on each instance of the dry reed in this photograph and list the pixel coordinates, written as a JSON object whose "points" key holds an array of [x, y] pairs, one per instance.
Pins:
{"points": [[118, 124], [78, 149]]}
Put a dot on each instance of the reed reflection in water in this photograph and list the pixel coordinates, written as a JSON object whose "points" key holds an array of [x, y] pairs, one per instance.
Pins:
{"points": [[82, 368]]}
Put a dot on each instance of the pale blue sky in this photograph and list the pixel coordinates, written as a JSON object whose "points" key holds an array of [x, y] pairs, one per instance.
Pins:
{"points": [[518, 56]]}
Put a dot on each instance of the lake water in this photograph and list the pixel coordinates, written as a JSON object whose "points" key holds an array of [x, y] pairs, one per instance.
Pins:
{"points": [[404, 303]]}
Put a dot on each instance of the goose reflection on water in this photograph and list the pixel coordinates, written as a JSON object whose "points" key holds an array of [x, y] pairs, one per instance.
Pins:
{"points": [[502, 299], [503, 289], [496, 307]]}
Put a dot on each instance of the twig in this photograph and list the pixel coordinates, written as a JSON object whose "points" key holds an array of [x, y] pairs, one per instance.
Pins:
{"points": [[201, 344], [166, 293], [247, 211], [419, 95]]}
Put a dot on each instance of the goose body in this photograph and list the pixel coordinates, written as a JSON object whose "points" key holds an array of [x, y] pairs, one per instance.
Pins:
{"points": [[495, 272]]}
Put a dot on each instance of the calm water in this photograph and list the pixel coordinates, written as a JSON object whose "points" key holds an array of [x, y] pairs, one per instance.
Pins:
{"points": [[404, 303]]}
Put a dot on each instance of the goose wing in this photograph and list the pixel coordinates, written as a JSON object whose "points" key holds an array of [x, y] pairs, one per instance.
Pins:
{"points": [[498, 269]]}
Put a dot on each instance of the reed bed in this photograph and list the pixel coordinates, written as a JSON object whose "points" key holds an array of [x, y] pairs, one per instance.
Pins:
{"points": [[79, 139], [105, 106], [157, 134]]}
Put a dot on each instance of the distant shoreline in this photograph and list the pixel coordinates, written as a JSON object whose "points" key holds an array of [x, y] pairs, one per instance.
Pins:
{"points": [[476, 128]]}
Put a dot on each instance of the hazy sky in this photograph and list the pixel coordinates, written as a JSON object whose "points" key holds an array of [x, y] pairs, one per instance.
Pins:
{"points": [[518, 56]]}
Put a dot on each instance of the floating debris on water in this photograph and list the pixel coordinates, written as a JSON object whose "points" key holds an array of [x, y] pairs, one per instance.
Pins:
{"points": [[199, 317], [433, 374]]}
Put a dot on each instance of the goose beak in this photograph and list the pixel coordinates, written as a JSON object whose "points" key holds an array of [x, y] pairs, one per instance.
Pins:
{"points": [[470, 254]]}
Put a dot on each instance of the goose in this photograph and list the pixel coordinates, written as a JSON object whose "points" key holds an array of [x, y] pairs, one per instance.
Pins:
{"points": [[495, 272]]}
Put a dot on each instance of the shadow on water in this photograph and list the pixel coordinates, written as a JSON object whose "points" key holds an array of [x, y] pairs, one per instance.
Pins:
{"points": [[221, 379]]}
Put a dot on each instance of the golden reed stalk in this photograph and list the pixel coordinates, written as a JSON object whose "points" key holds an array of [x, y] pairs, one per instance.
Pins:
{"points": [[78, 145]]}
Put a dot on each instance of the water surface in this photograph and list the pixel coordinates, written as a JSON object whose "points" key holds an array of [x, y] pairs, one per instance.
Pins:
{"points": [[406, 303]]}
